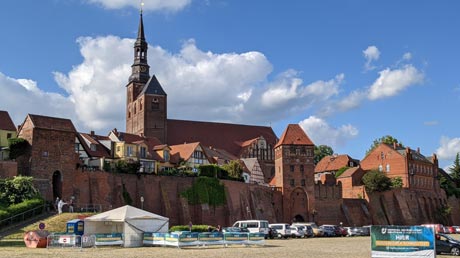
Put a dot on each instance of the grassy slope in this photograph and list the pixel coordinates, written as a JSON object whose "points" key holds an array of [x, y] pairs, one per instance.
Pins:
{"points": [[53, 224]]}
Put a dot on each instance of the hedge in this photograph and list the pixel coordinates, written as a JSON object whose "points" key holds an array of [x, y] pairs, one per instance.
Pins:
{"points": [[18, 208], [195, 228]]}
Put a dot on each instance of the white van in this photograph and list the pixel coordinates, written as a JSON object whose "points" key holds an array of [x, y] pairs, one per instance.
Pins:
{"points": [[283, 229], [254, 226]]}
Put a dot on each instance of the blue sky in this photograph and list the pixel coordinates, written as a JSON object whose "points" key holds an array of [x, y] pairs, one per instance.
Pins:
{"points": [[348, 71]]}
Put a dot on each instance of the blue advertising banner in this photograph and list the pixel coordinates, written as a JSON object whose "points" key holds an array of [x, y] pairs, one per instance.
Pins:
{"points": [[402, 241]]}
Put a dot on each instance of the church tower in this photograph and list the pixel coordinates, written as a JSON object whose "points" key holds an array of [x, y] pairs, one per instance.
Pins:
{"points": [[146, 101], [294, 174]]}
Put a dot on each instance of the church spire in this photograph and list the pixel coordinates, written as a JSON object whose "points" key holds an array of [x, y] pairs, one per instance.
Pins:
{"points": [[140, 68]]}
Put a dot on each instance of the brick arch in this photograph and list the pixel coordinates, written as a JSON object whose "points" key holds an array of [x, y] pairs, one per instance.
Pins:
{"points": [[298, 204], [57, 184]]}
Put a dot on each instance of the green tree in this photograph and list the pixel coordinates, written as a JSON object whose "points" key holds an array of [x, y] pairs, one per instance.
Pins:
{"points": [[376, 181], [18, 147], [17, 189], [388, 139], [455, 170], [234, 169], [322, 151], [396, 182]]}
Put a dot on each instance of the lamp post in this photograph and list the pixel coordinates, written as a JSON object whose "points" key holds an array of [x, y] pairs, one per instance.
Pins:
{"points": [[142, 202]]}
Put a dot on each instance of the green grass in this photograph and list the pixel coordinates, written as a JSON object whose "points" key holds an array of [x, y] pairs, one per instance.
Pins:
{"points": [[53, 224]]}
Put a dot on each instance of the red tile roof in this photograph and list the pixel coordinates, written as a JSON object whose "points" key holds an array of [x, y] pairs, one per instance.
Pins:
{"points": [[185, 151], [333, 163], [5, 122], [136, 139], [52, 123], [294, 135], [219, 135], [349, 172]]}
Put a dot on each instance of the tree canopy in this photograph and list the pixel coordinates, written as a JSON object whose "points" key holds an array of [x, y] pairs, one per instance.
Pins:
{"points": [[376, 181], [234, 169], [388, 139], [17, 189], [455, 170], [322, 151]]}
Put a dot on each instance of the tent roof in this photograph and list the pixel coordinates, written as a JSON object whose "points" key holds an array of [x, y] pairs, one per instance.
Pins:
{"points": [[125, 213]]}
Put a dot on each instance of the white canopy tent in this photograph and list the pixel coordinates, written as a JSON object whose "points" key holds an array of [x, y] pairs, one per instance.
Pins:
{"points": [[130, 221]]}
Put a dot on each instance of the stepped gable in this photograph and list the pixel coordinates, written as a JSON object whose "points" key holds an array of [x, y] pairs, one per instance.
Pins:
{"points": [[217, 135], [5, 122], [294, 135], [332, 163], [52, 123]]}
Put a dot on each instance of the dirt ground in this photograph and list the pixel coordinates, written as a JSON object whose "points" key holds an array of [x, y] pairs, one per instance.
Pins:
{"points": [[345, 247]]}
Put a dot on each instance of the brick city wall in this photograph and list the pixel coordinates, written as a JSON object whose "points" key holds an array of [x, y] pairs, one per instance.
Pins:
{"points": [[8, 169], [161, 196]]}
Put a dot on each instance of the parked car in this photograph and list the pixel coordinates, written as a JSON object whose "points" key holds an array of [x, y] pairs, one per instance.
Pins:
{"points": [[297, 232], [329, 230], [308, 230], [254, 226], [283, 229], [447, 244], [340, 231], [356, 231], [457, 229], [317, 231]]}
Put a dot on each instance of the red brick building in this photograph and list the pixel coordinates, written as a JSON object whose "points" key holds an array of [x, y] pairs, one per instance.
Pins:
{"points": [[294, 167]]}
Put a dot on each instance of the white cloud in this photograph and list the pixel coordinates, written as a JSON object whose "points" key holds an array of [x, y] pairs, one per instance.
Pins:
{"points": [[392, 82], [322, 133], [22, 96], [371, 54], [449, 148], [151, 5]]}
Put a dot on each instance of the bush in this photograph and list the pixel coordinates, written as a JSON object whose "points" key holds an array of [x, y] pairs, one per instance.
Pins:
{"points": [[376, 181], [195, 228], [16, 190], [18, 147], [396, 182], [208, 170], [24, 206]]}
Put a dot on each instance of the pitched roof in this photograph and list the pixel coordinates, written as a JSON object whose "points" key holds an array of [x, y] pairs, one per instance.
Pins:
{"points": [[220, 156], [5, 122], [349, 172], [136, 139], [217, 135], [185, 151], [52, 123], [153, 86], [294, 135], [101, 150], [333, 163]]}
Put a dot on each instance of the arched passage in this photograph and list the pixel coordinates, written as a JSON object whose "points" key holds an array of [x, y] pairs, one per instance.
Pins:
{"points": [[57, 184], [299, 205]]}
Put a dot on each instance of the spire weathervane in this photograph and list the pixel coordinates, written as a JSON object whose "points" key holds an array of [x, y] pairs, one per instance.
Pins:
{"points": [[142, 6]]}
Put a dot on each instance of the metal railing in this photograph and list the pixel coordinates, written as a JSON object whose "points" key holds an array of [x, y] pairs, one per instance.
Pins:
{"points": [[5, 224]]}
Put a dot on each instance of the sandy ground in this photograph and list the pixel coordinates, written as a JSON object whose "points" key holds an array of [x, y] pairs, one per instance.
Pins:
{"points": [[345, 247]]}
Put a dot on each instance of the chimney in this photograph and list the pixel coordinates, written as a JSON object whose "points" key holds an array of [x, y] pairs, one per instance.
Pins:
{"points": [[115, 130], [395, 145], [92, 133], [418, 150]]}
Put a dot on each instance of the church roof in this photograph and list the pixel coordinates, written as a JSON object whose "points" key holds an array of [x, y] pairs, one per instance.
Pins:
{"points": [[52, 123], [5, 121], [153, 87], [294, 135], [217, 135]]}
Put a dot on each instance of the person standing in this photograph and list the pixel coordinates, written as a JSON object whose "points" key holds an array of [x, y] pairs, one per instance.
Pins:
{"points": [[71, 205], [60, 205], [56, 203]]}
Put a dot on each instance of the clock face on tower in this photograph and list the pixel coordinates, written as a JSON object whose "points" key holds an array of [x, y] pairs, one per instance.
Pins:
{"points": [[143, 68]]}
